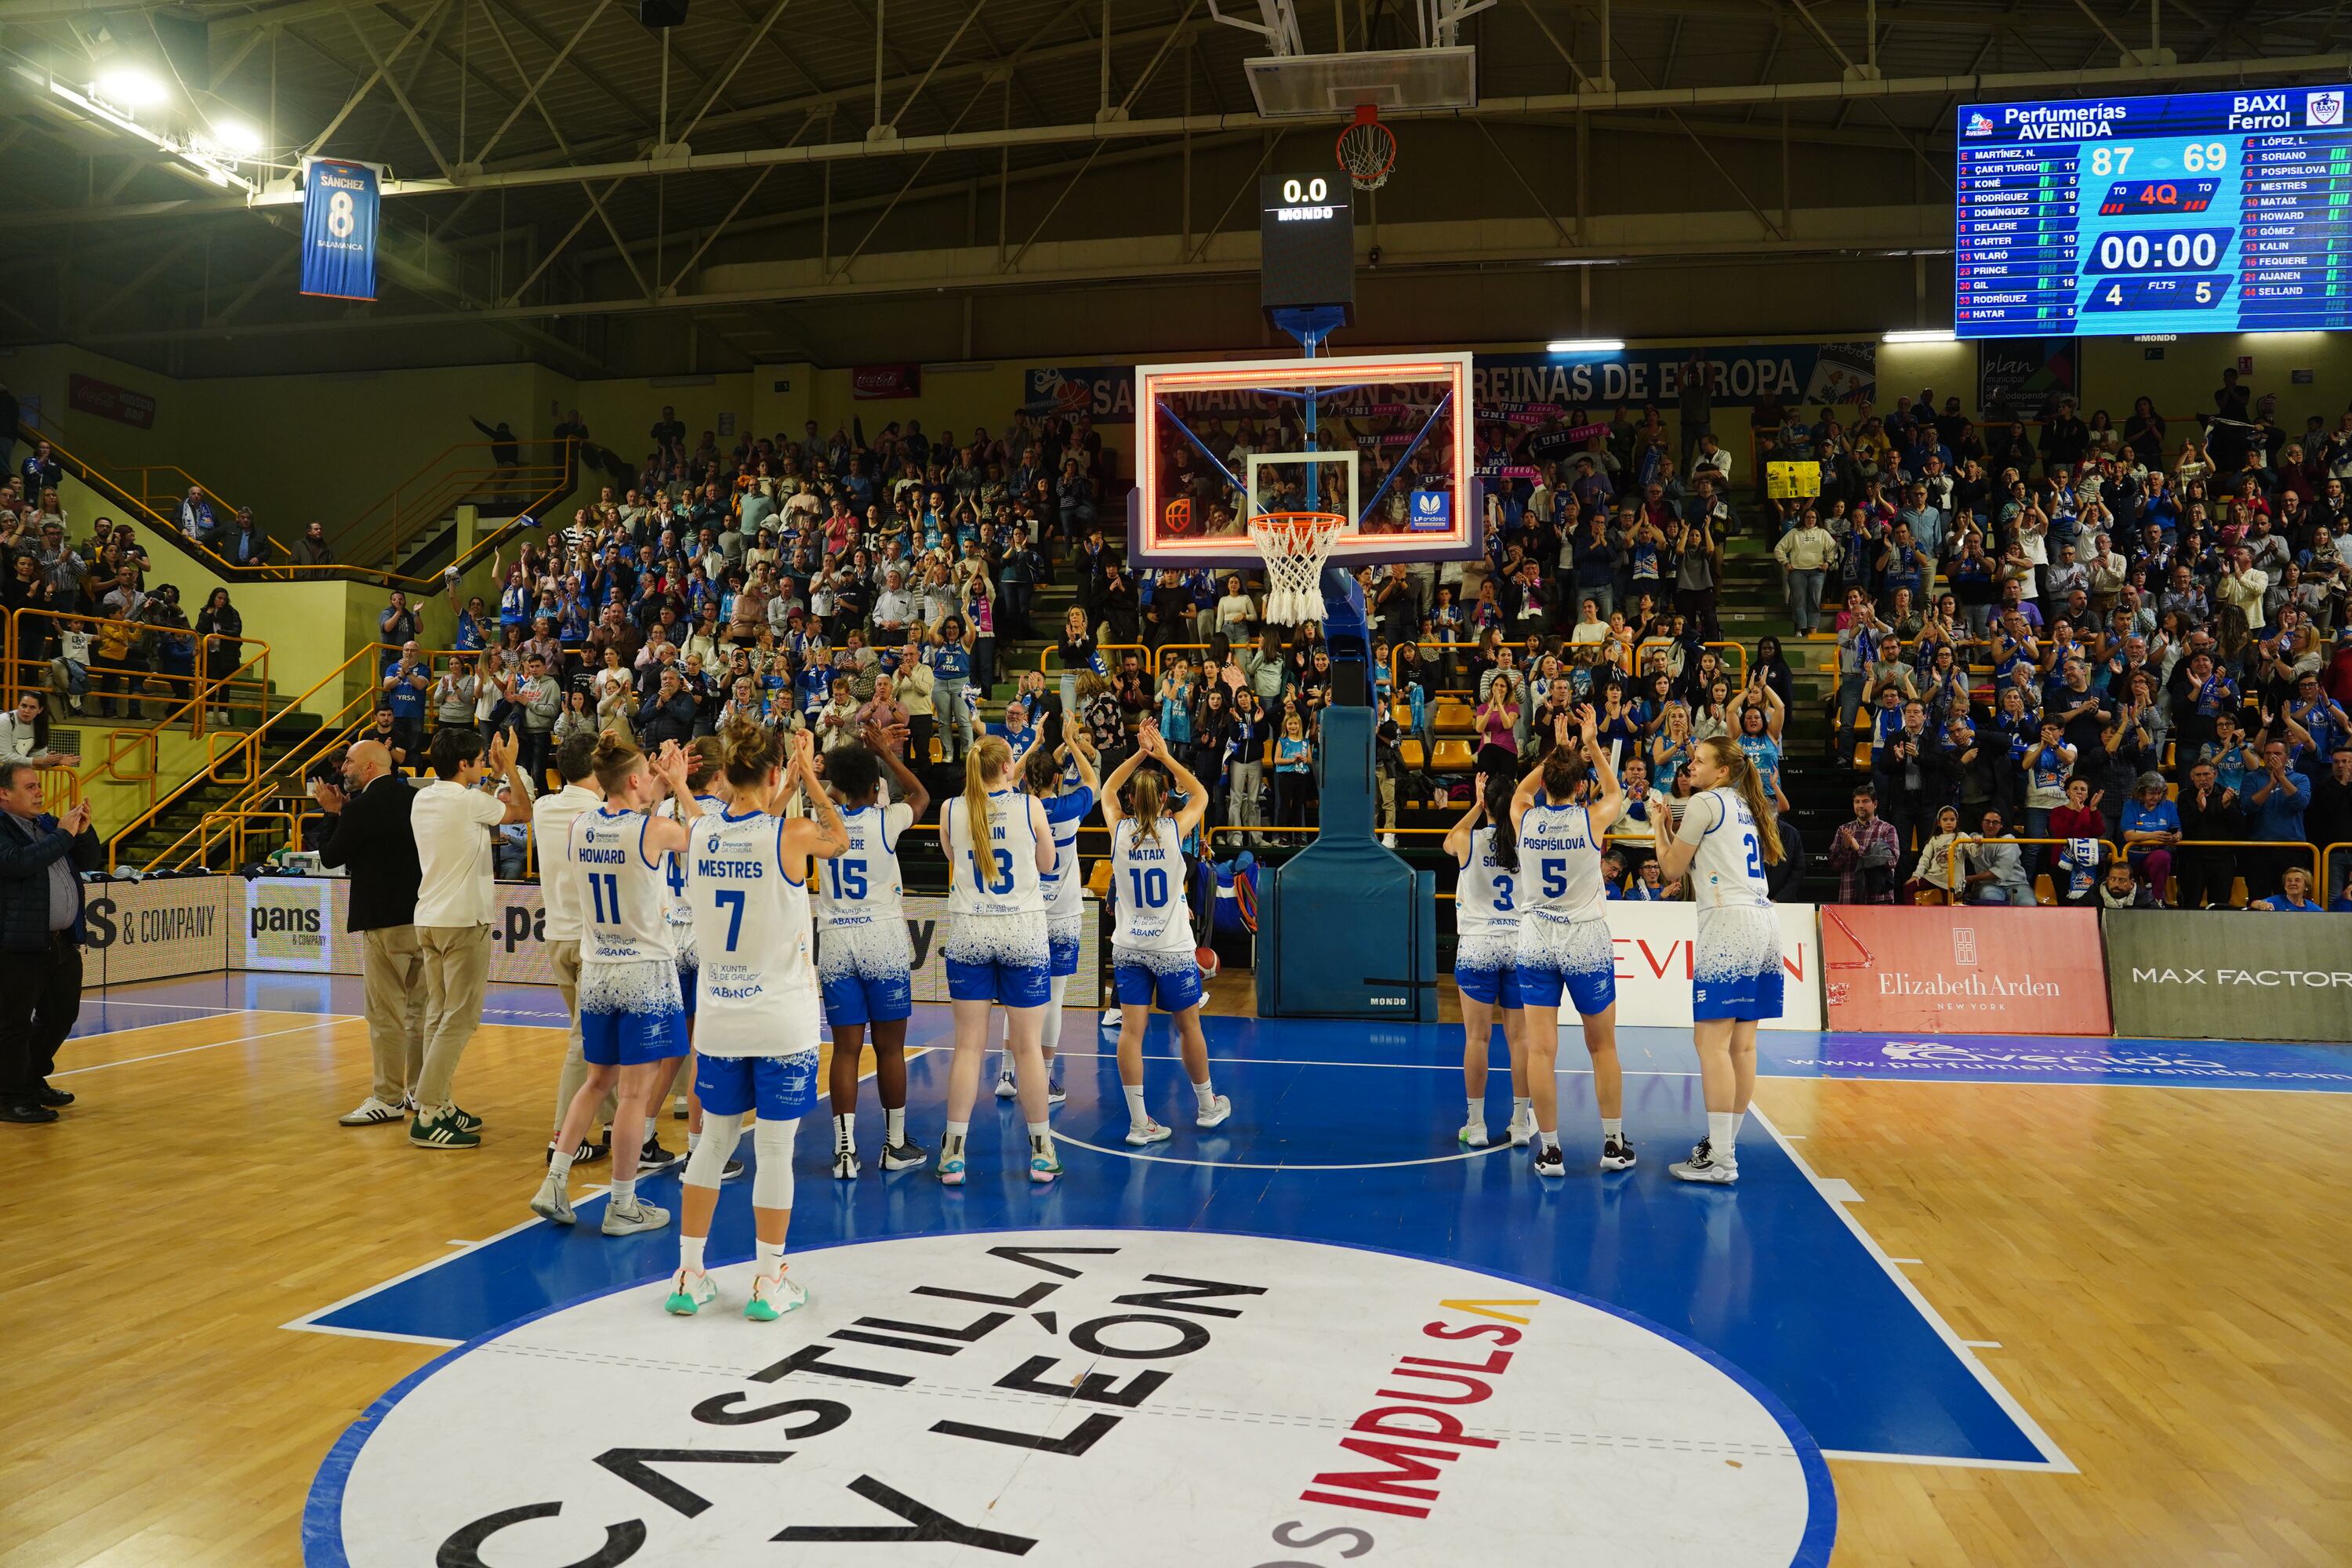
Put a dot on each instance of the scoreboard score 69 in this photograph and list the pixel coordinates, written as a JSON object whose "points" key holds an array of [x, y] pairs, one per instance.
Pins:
{"points": [[2185, 213]]}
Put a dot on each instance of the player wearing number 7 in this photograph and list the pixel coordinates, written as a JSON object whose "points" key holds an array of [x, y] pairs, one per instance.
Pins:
{"points": [[1152, 956], [632, 1018], [1564, 946], [758, 1040], [1727, 838]]}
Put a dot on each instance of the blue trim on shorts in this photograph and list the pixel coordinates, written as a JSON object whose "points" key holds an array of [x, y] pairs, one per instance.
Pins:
{"points": [[1494, 987], [631, 1038], [1746, 997], [1590, 992], [782, 1089], [1172, 990], [1008, 984], [853, 1001]]}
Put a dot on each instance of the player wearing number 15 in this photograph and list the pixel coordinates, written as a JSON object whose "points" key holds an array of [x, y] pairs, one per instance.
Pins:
{"points": [[1725, 840], [632, 1019], [999, 847], [1564, 946], [1152, 953], [757, 1033]]}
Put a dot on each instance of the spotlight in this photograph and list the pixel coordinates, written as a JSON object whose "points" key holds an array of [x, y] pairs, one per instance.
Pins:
{"points": [[1585, 346], [132, 87], [237, 138], [1922, 335]]}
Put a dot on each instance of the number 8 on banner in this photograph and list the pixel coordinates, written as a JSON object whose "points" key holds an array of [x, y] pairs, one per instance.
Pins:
{"points": [[340, 203]]}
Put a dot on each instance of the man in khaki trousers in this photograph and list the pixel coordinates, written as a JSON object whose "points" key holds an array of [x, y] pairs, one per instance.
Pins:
{"points": [[552, 817], [452, 821], [369, 835]]}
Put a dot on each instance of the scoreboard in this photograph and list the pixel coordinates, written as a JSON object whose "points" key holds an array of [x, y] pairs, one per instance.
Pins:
{"points": [[2207, 212], [1307, 238]]}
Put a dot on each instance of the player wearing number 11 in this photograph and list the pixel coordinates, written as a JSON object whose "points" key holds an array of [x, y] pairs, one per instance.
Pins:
{"points": [[632, 1018], [1153, 953]]}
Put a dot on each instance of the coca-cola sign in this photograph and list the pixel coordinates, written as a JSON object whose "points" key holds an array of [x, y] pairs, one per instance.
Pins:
{"points": [[868, 381]]}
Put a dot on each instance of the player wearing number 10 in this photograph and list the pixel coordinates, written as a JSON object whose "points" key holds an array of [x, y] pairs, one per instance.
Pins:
{"points": [[1727, 838], [999, 847], [757, 1043], [1152, 955], [632, 1019]]}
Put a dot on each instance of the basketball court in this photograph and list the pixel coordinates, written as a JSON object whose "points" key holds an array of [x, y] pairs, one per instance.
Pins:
{"points": [[1966, 1303]]}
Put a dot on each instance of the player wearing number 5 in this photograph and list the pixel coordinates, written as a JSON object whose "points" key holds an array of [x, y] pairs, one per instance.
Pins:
{"points": [[757, 1044], [865, 962], [632, 1018], [1153, 953], [999, 848], [1564, 947], [1727, 838]]}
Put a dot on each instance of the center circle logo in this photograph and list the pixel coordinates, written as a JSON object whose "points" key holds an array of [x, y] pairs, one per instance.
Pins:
{"points": [[1074, 1398]]}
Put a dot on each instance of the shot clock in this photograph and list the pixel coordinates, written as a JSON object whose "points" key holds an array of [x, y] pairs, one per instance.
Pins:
{"points": [[2185, 213], [1306, 242]]}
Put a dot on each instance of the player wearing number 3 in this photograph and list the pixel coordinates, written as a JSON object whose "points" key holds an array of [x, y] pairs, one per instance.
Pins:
{"points": [[1564, 947], [632, 1018], [757, 1037], [999, 848], [1152, 955], [1727, 838]]}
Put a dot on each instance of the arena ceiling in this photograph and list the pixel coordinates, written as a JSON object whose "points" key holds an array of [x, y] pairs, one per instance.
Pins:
{"points": [[779, 179]]}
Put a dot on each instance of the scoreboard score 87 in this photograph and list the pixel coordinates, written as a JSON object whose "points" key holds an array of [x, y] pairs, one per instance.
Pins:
{"points": [[2185, 213]]}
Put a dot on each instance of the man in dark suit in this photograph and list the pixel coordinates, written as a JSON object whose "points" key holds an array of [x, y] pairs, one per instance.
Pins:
{"points": [[368, 833], [41, 933]]}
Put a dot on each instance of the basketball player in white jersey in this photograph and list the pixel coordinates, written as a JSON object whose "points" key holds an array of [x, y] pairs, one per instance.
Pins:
{"points": [[1485, 955], [1152, 945], [1563, 942], [702, 766], [632, 1021], [864, 960], [756, 1047], [999, 848], [1064, 777], [1727, 837]]}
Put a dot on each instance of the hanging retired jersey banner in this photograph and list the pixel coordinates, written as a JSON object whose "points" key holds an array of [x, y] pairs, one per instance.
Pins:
{"points": [[340, 203]]}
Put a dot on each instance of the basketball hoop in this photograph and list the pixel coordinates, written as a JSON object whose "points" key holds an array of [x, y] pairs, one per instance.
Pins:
{"points": [[1295, 545], [1368, 149]]}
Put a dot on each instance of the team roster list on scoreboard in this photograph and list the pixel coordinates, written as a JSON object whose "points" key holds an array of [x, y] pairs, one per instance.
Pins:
{"points": [[2189, 213]]}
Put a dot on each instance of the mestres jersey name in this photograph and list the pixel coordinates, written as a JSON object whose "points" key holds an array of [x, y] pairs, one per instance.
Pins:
{"points": [[723, 869]]}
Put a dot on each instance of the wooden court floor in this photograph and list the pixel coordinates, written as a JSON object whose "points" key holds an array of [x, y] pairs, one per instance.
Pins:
{"points": [[2159, 1276]]}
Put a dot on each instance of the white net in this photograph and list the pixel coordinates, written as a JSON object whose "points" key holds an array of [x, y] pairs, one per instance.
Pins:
{"points": [[1295, 544], [1368, 150]]}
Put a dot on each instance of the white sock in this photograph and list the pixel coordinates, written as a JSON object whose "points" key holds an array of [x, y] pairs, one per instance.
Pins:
{"points": [[1548, 1140], [844, 1129], [1477, 1110], [1612, 1127], [772, 1258], [690, 1252], [1520, 1105], [1738, 1120], [894, 1127], [624, 1191], [1040, 1137], [953, 1143], [1206, 1093], [653, 1128], [1722, 1135], [560, 1167], [1136, 1114], [693, 1142]]}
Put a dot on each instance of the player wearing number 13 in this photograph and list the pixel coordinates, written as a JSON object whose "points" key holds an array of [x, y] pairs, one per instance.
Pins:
{"points": [[1725, 840], [999, 848], [632, 1018], [757, 1039], [1152, 955]]}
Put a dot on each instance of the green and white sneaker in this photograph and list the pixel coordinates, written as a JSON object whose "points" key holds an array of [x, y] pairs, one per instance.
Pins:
{"points": [[552, 1202], [689, 1292], [636, 1217], [773, 1295], [467, 1119], [442, 1130], [1044, 1168]]}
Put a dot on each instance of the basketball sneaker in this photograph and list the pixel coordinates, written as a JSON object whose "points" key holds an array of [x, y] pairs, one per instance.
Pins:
{"points": [[1471, 1135], [1054, 1093], [552, 1202], [638, 1216], [689, 1292], [773, 1295], [1616, 1155], [677, 1109], [844, 1161], [1044, 1168], [1522, 1130], [1550, 1162], [731, 1169], [441, 1131], [1149, 1132], [1214, 1113], [904, 1156], [652, 1158], [1005, 1086], [370, 1112], [1703, 1166], [466, 1119], [950, 1170]]}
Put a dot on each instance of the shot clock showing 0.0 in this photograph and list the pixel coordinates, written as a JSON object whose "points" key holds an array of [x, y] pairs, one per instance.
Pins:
{"points": [[1306, 241], [2194, 211]]}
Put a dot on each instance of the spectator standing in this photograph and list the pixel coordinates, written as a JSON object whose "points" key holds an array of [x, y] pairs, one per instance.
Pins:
{"points": [[538, 698], [1864, 854], [2328, 818], [1806, 553], [405, 686], [451, 819], [368, 834], [42, 933], [25, 734], [2275, 802], [220, 622], [398, 624]]}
